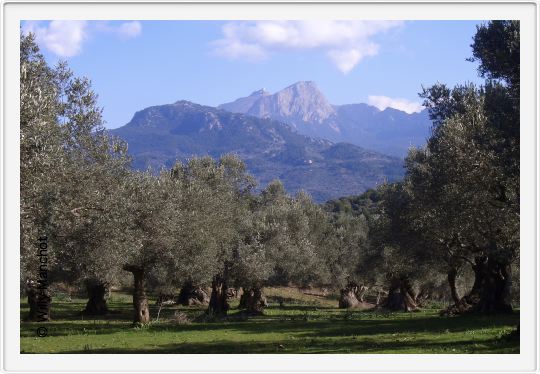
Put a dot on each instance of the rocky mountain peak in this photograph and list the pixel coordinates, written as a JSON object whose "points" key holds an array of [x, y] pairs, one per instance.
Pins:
{"points": [[186, 104], [304, 107], [261, 92], [301, 102]]}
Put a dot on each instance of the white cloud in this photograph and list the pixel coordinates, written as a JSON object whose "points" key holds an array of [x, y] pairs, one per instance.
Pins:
{"points": [[66, 38], [128, 30], [383, 102], [234, 49], [346, 60], [345, 43], [63, 38]]}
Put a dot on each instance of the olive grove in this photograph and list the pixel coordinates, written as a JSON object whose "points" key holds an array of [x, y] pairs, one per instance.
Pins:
{"points": [[448, 231]]}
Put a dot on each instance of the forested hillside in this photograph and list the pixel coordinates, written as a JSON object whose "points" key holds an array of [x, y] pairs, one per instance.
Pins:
{"points": [[161, 135]]}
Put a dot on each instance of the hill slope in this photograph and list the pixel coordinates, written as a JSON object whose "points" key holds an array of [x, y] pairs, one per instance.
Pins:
{"points": [[159, 135]]}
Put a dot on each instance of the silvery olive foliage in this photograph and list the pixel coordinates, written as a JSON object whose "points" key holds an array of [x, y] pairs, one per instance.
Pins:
{"points": [[189, 223], [70, 169], [347, 248], [466, 181], [40, 146], [292, 240], [201, 216], [460, 196], [202, 222]]}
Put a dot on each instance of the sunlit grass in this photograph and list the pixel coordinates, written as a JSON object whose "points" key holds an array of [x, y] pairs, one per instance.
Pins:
{"points": [[301, 324]]}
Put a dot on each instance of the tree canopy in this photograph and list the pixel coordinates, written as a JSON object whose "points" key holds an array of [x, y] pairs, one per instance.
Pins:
{"points": [[201, 223]]}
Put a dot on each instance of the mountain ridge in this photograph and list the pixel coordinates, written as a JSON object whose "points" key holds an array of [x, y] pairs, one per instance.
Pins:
{"points": [[303, 106], [159, 135]]}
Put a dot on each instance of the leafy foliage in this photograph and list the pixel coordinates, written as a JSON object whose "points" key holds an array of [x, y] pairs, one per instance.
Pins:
{"points": [[200, 222]]}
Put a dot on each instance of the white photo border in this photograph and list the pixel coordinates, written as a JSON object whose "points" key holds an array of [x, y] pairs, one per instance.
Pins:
{"points": [[15, 11]]}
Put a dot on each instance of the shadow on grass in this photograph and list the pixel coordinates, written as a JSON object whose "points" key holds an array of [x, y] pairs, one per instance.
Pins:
{"points": [[291, 302], [368, 325], [301, 307], [70, 311], [67, 311], [493, 345]]}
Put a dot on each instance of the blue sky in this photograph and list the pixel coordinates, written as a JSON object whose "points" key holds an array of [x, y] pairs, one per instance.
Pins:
{"points": [[136, 64]]}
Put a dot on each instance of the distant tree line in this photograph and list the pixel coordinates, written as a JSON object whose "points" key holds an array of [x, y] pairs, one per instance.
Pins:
{"points": [[200, 224]]}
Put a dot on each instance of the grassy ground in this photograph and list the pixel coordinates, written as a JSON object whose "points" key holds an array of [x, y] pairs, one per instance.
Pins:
{"points": [[304, 324]]}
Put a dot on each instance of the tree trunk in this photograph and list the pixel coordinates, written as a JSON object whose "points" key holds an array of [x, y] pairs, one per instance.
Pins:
{"points": [[423, 295], [234, 293], [452, 274], [191, 295], [96, 305], [218, 299], [39, 301], [347, 298], [490, 292], [253, 301], [495, 291], [361, 293], [400, 296], [243, 299], [140, 302]]}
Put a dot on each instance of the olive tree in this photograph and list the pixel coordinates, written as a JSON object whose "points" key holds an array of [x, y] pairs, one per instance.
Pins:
{"points": [[67, 163], [466, 182], [90, 235], [472, 209], [282, 242], [40, 149], [229, 189], [398, 248], [346, 242], [147, 233]]}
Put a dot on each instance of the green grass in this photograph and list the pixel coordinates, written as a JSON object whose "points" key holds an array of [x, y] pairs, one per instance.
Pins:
{"points": [[305, 324]]}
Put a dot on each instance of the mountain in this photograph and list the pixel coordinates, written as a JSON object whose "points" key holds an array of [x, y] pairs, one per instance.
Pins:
{"points": [[304, 107], [300, 103], [159, 135], [243, 104], [389, 131]]}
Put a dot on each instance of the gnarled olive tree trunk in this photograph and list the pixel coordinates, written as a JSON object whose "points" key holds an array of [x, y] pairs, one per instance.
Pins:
{"points": [[253, 301], [361, 293], [39, 301], [234, 293], [490, 292], [352, 296], [452, 275], [218, 299], [401, 296], [347, 297], [495, 291], [191, 295], [140, 301], [96, 305]]}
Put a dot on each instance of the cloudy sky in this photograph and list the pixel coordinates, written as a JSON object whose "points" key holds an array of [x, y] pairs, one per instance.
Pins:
{"points": [[136, 64]]}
